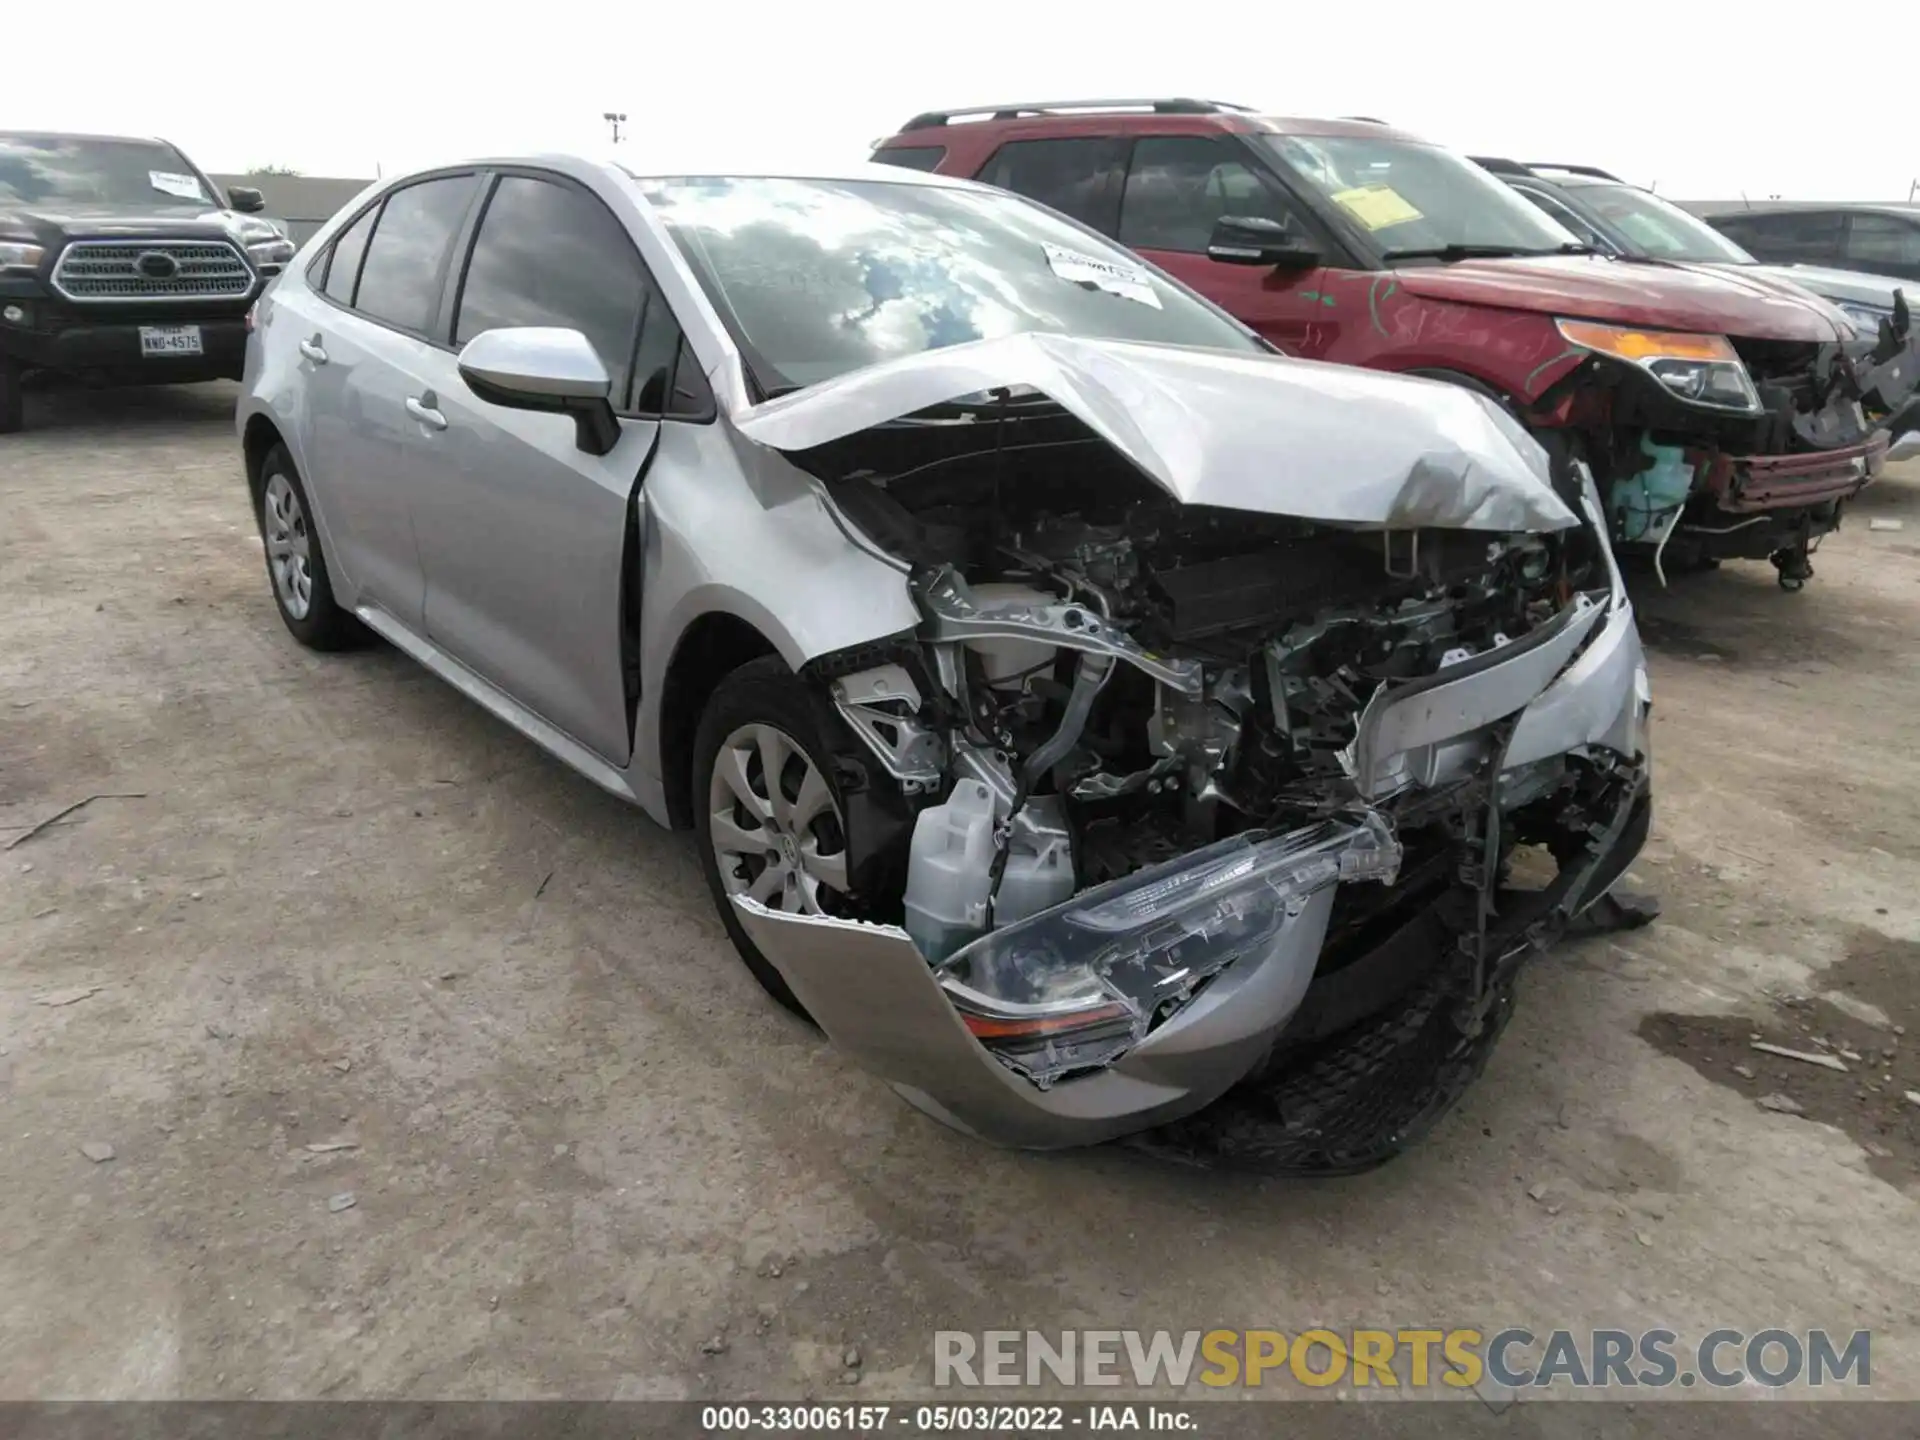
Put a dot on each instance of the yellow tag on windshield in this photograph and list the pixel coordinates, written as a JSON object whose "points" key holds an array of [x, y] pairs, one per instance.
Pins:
{"points": [[1376, 206]]}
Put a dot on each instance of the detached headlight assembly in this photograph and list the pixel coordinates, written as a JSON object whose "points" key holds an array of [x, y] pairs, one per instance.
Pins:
{"points": [[1073, 987], [20, 255], [1700, 369]]}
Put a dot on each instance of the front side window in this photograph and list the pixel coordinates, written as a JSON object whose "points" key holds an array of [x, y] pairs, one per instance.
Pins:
{"points": [[54, 171], [400, 278], [1415, 199], [1660, 228], [820, 277], [1178, 186], [1883, 240], [548, 254], [1078, 177]]}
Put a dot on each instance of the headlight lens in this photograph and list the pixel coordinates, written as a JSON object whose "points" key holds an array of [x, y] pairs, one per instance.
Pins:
{"points": [[270, 252], [1866, 319], [1073, 987], [1700, 369], [20, 255]]}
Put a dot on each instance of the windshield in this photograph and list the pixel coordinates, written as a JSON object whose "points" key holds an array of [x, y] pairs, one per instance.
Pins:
{"points": [[1415, 197], [822, 277], [54, 170], [1660, 228]]}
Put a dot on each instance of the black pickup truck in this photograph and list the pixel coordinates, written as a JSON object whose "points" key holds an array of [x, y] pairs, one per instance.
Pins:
{"points": [[122, 264]]}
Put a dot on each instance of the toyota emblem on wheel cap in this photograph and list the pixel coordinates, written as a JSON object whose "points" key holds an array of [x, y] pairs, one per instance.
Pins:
{"points": [[157, 265]]}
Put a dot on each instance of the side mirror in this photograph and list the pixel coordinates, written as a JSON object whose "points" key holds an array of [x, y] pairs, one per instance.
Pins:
{"points": [[246, 199], [551, 370], [1256, 240]]}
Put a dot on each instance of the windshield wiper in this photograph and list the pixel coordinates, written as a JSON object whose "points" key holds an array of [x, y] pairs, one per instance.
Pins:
{"points": [[1451, 253]]}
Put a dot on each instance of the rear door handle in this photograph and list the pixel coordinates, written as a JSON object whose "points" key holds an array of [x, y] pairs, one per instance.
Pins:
{"points": [[314, 351], [422, 409]]}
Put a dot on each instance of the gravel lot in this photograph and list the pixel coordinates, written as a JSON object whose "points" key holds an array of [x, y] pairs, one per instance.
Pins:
{"points": [[588, 1158]]}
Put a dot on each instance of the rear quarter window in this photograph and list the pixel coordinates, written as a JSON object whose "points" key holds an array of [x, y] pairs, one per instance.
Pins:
{"points": [[911, 157]]}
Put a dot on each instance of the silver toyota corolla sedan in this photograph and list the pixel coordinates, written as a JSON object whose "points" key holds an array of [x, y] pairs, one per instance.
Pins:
{"points": [[1091, 719]]}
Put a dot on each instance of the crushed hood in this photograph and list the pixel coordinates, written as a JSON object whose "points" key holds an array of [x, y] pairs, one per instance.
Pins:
{"points": [[1253, 432]]}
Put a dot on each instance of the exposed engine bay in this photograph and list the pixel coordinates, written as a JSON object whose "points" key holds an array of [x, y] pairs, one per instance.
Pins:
{"points": [[1126, 702]]}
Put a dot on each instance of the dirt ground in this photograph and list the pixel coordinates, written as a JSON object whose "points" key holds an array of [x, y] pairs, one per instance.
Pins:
{"points": [[333, 932]]}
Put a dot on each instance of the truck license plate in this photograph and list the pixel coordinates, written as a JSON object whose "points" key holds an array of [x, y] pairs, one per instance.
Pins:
{"points": [[170, 340]]}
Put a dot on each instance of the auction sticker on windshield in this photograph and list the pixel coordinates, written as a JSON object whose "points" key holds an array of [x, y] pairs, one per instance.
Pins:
{"points": [[1377, 206], [169, 183], [1129, 281], [169, 339]]}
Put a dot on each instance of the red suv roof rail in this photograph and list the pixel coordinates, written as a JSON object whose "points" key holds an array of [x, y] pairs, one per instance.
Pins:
{"points": [[1178, 105]]}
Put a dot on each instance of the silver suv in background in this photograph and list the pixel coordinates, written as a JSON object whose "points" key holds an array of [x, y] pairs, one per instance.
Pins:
{"points": [[1081, 709]]}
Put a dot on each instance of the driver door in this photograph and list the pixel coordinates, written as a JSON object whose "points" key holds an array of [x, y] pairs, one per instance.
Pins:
{"points": [[1177, 186], [523, 536]]}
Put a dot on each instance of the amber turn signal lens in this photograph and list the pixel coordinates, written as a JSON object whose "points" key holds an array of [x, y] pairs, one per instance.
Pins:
{"points": [[1640, 345]]}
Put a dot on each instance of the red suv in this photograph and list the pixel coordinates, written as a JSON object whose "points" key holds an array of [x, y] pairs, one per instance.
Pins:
{"points": [[1721, 415]]}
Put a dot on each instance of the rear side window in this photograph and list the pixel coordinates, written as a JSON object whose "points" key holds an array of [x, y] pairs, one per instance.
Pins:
{"points": [[1790, 236], [400, 279], [548, 254], [1077, 177], [1179, 185], [911, 157], [343, 264], [1883, 240]]}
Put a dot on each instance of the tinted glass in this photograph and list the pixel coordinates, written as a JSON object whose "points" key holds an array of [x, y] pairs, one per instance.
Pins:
{"points": [[547, 254], [1552, 205], [820, 277], [1179, 185], [1789, 235], [911, 157], [400, 281], [1660, 228], [1883, 240], [1080, 178], [344, 268], [1411, 196], [56, 170]]}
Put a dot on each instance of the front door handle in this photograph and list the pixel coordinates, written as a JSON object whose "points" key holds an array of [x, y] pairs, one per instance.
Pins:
{"points": [[422, 409], [314, 350]]}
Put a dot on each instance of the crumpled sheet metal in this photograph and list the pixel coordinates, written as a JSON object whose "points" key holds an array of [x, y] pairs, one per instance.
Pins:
{"points": [[1264, 433]]}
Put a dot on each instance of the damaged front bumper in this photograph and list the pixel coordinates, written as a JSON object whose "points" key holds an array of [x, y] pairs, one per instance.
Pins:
{"points": [[1239, 960]]}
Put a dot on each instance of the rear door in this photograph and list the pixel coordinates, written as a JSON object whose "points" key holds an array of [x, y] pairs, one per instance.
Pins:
{"points": [[525, 537], [364, 354], [1177, 187]]}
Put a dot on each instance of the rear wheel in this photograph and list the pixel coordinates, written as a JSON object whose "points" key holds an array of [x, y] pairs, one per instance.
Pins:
{"points": [[296, 567], [768, 810]]}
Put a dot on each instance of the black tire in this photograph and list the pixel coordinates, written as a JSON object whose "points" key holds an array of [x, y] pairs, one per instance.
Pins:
{"points": [[323, 625], [13, 406], [762, 692]]}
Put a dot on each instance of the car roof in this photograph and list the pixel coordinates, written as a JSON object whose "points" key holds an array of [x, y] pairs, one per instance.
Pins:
{"points": [[1786, 207], [76, 135], [1124, 116]]}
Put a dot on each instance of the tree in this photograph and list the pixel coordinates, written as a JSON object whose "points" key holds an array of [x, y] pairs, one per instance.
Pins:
{"points": [[273, 170]]}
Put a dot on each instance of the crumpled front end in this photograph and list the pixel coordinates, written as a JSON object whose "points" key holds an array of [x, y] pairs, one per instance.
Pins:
{"points": [[1162, 754]]}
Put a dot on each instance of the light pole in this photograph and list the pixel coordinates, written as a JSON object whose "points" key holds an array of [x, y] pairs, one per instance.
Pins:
{"points": [[616, 119]]}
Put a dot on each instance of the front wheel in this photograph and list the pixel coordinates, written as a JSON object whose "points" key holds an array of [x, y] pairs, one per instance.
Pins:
{"points": [[768, 811]]}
